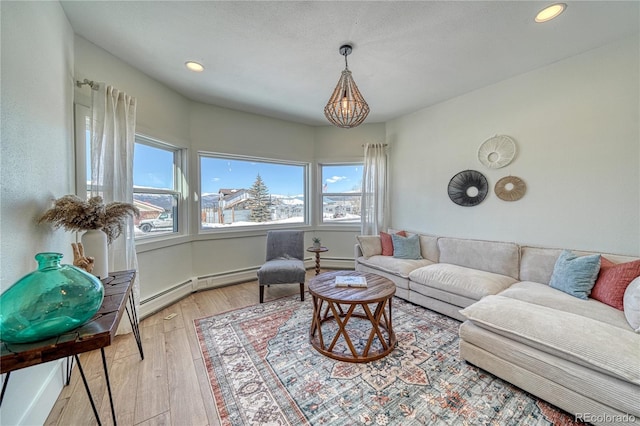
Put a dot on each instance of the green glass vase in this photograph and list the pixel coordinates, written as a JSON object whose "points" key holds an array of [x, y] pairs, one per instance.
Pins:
{"points": [[49, 301]]}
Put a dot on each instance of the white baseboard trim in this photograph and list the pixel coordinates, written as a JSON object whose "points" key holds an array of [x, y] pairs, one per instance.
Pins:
{"points": [[168, 297], [160, 301], [220, 280], [336, 263], [49, 378]]}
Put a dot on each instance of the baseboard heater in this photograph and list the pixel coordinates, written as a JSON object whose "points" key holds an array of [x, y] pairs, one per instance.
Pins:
{"points": [[221, 279], [165, 292]]}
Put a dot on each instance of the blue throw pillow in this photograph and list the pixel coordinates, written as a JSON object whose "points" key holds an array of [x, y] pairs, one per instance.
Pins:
{"points": [[406, 247], [575, 275]]}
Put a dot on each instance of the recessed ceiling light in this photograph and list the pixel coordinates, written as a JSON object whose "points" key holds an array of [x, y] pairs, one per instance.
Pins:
{"points": [[550, 12], [194, 66]]}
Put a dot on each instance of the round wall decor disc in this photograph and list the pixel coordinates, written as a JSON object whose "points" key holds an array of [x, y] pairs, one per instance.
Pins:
{"points": [[497, 152], [468, 188], [510, 188]]}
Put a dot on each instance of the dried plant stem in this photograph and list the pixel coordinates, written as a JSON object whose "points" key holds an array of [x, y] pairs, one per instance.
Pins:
{"points": [[75, 214]]}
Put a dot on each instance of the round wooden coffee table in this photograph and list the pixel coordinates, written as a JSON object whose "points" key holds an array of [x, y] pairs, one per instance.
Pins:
{"points": [[342, 304]]}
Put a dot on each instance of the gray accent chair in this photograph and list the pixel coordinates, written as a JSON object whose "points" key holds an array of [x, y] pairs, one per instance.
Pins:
{"points": [[284, 262]]}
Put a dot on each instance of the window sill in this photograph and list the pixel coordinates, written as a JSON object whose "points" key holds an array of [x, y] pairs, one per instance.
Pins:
{"points": [[155, 243], [339, 227], [243, 232]]}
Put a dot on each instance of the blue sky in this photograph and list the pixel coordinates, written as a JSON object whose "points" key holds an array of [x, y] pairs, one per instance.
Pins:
{"points": [[280, 179], [152, 168], [344, 178]]}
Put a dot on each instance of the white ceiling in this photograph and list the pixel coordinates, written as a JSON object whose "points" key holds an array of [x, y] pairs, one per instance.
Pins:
{"points": [[280, 58]]}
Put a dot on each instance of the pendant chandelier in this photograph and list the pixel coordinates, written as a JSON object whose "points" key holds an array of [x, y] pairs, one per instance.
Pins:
{"points": [[346, 107]]}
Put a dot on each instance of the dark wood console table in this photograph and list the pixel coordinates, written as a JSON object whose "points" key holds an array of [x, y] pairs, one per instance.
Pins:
{"points": [[98, 333]]}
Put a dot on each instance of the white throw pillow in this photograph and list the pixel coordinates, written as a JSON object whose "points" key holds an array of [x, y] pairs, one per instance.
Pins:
{"points": [[631, 304], [370, 245]]}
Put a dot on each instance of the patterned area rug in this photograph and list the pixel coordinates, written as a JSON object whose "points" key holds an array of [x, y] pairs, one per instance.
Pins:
{"points": [[263, 371]]}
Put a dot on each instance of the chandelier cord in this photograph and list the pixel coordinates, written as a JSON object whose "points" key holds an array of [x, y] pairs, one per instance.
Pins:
{"points": [[346, 64]]}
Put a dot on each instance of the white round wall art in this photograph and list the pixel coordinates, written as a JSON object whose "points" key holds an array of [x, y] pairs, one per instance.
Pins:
{"points": [[497, 152]]}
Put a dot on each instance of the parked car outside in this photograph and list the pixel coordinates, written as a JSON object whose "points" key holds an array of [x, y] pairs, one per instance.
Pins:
{"points": [[163, 221]]}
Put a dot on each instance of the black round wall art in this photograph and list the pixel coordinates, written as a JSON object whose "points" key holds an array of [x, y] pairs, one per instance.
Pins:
{"points": [[468, 188]]}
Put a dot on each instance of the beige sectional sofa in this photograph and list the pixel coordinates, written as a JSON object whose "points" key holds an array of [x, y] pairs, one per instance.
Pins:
{"points": [[580, 355]]}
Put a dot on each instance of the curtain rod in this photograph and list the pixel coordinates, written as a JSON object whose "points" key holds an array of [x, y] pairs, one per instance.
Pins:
{"points": [[90, 83]]}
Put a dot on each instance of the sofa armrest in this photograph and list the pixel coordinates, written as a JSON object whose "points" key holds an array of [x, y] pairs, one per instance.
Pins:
{"points": [[357, 250]]}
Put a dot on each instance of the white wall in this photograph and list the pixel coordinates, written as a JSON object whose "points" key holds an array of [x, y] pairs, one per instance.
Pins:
{"points": [[162, 114], [215, 129], [333, 144], [160, 110], [221, 130], [165, 115], [36, 166], [575, 124]]}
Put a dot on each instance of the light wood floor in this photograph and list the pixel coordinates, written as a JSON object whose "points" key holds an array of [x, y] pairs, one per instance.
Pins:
{"points": [[170, 387]]}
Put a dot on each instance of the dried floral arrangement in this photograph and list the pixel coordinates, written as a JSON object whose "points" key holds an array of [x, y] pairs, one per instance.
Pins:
{"points": [[75, 214]]}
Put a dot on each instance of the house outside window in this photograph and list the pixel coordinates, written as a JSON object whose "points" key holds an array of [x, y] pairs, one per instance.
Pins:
{"points": [[156, 188], [341, 193], [238, 191]]}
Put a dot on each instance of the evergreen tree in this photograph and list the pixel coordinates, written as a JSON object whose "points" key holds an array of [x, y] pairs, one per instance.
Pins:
{"points": [[259, 201]]}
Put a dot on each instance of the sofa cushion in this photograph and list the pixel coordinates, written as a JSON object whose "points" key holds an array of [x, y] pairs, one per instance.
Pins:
{"points": [[467, 282], [402, 283], [401, 267], [429, 247], [613, 280], [631, 303], [564, 377], [387, 243], [575, 338], [441, 295], [406, 247], [491, 256], [575, 275], [543, 295], [537, 263], [370, 245]]}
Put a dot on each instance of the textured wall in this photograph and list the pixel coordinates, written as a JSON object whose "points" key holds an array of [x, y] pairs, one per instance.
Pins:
{"points": [[36, 166], [575, 124]]}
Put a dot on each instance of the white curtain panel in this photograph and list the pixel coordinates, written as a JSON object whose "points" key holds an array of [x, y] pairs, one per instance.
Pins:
{"points": [[374, 206], [113, 124]]}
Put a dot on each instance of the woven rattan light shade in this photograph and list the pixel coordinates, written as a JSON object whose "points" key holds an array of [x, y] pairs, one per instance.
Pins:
{"points": [[346, 107]]}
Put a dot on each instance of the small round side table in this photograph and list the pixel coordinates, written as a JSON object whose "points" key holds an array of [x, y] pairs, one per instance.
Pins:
{"points": [[317, 251]]}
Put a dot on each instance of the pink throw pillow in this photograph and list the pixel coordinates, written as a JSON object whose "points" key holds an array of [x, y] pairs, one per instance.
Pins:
{"points": [[613, 280], [387, 244]]}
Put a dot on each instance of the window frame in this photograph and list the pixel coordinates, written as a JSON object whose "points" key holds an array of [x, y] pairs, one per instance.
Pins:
{"points": [[179, 181], [82, 115], [320, 194], [308, 196]]}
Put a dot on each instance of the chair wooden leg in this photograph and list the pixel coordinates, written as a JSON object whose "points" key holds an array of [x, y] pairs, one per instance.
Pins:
{"points": [[261, 293], [302, 292]]}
